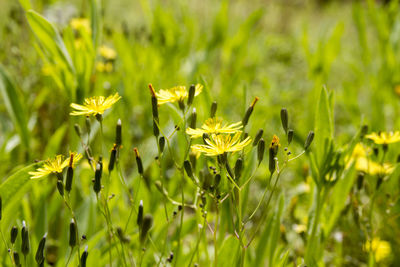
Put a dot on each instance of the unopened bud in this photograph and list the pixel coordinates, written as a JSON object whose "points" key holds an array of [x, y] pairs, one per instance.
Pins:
{"points": [[112, 158], [97, 179], [146, 225], [309, 140], [214, 107], [188, 168], [72, 234], [192, 91], [238, 168], [138, 161], [39, 253], [271, 160], [118, 133], [284, 119], [13, 234], [60, 187], [139, 219], [84, 257], [193, 119], [78, 130], [16, 259], [248, 112], [258, 137], [260, 150], [88, 125], [161, 143], [290, 136], [25, 247]]}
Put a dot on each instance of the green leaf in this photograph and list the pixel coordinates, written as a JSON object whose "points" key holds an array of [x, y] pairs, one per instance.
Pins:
{"points": [[14, 107], [227, 255], [26, 4]]}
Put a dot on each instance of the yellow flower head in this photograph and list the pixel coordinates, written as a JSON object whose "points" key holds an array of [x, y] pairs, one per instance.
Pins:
{"points": [[177, 93], [94, 105], [56, 165], [384, 138], [364, 164], [80, 24], [214, 126], [275, 143], [220, 144], [380, 248], [107, 52]]}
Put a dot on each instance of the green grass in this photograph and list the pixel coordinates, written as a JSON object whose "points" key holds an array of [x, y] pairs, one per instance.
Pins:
{"points": [[334, 66]]}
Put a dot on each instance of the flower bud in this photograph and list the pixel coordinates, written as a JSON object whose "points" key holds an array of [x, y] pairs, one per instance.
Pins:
{"points": [[60, 187], [238, 168], [138, 161], [247, 115], [161, 143], [309, 140], [118, 133], [192, 91], [88, 125], [16, 258], [84, 257], [154, 106], [271, 160], [24, 239], [258, 137], [260, 150], [72, 234], [290, 136], [139, 219], [13, 234], [188, 168], [97, 179], [112, 158], [146, 225], [39, 253], [193, 119], [213, 110], [284, 119], [78, 130]]}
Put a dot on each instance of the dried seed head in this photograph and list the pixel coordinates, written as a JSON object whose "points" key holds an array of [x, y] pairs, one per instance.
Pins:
{"points": [[146, 225], [72, 234], [84, 257], [213, 110], [238, 168], [13, 234], [192, 91], [260, 150], [284, 119], [97, 179], [113, 155], [39, 253], [139, 219], [309, 140], [258, 137], [25, 247], [118, 133], [193, 119], [161, 143], [290, 136], [78, 130], [247, 115], [138, 161]]}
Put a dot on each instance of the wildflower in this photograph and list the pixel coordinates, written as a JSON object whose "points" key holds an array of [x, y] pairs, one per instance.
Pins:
{"points": [[220, 144], [177, 93], [94, 105], [364, 164], [214, 126], [80, 24], [384, 138], [380, 248], [107, 52], [55, 165]]}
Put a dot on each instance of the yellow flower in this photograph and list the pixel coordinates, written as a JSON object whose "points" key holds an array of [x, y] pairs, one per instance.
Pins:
{"points": [[363, 164], [214, 126], [94, 105], [220, 144], [56, 165], [177, 93], [107, 52], [380, 248], [384, 138], [80, 24]]}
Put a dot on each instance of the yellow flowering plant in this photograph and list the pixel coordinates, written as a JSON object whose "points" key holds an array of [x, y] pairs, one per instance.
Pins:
{"points": [[214, 126], [95, 105], [55, 165]]}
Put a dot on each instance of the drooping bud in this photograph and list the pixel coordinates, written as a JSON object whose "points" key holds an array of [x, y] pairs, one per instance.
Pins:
{"points": [[238, 168], [161, 143], [309, 140], [290, 136], [138, 161], [72, 234], [25, 247], [139, 219], [13, 234], [192, 91], [260, 150], [78, 130], [213, 110], [118, 133], [284, 119], [188, 168], [258, 137], [84, 257], [39, 253], [97, 179], [193, 119], [248, 112], [113, 155], [146, 225]]}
